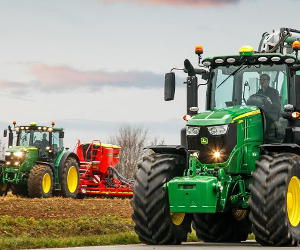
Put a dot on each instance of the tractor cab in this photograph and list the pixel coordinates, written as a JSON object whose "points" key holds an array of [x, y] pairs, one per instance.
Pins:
{"points": [[47, 140], [243, 81]]}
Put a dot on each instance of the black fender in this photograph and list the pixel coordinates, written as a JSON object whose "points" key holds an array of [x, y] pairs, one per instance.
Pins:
{"points": [[281, 148], [65, 156], [172, 149], [48, 164]]}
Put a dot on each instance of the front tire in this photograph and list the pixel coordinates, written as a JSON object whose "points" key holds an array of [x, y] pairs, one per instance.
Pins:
{"points": [[275, 200], [154, 223], [40, 182], [70, 178]]}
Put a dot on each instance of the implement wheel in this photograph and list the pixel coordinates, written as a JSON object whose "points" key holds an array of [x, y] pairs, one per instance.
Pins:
{"points": [[154, 223], [40, 181], [222, 227], [275, 200], [70, 178]]}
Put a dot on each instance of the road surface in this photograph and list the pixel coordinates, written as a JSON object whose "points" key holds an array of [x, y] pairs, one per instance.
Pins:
{"points": [[248, 245]]}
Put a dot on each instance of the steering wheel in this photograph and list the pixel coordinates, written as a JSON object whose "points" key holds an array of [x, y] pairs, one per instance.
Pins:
{"points": [[260, 100]]}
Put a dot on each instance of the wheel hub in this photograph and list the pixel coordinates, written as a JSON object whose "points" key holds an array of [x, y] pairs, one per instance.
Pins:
{"points": [[177, 218], [46, 183], [72, 179], [293, 201]]}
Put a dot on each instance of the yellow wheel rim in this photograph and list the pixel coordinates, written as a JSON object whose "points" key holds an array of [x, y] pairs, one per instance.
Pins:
{"points": [[177, 218], [46, 183], [293, 201], [72, 179]]}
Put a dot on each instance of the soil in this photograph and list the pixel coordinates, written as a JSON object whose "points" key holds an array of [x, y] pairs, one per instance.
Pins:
{"points": [[62, 208]]}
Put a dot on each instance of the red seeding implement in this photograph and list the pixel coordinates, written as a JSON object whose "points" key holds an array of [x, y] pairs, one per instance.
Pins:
{"points": [[98, 175]]}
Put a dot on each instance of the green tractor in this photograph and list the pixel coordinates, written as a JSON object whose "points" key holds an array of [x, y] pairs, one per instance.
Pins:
{"points": [[37, 164], [237, 170]]}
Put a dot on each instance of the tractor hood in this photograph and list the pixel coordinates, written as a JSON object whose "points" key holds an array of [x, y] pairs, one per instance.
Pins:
{"points": [[20, 148], [223, 116]]}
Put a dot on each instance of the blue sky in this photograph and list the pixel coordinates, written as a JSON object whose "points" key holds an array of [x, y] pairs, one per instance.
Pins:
{"points": [[95, 65]]}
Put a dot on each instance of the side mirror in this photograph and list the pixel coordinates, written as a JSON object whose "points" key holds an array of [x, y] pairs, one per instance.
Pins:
{"points": [[5, 133], [169, 86], [61, 134]]}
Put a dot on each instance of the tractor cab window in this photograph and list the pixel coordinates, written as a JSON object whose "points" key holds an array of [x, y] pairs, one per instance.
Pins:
{"points": [[33, 138], [264, 86], [57, 144]]}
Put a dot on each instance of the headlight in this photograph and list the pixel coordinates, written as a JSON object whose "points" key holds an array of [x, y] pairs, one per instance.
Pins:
{"points": [[218, 130], [192, 130], [18, 154], [7, 153]]}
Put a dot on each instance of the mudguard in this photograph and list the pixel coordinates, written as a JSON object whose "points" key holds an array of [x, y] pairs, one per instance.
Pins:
{"points": [[63, 159], [281, 148], [172, 149]]}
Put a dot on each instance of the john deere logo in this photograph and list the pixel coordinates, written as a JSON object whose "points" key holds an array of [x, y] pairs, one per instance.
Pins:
{"points": [[204, 140]]}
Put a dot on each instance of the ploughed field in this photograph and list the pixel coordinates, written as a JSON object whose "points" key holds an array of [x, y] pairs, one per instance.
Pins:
{"points": [[61, 222], [63, 208]]}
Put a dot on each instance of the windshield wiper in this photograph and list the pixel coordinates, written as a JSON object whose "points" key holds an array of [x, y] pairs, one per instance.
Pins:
{"points": [[233, 73]]}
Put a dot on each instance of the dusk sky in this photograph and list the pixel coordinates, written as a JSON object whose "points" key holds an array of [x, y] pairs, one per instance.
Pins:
{"points": [[95, 65]]}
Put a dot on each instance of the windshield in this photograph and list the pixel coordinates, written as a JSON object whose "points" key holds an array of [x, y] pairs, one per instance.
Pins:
{"points": [[33, 138], [231, 86]]}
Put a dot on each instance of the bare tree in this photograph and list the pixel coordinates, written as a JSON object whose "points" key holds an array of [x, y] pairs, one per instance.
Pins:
{"points": [[132, 141]]}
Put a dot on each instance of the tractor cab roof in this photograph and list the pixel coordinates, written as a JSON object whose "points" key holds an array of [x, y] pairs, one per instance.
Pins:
{"points": [[37, 128], [250, 59]]}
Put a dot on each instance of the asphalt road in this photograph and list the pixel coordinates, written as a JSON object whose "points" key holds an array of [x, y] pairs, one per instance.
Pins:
{"points": [[187, 246]]}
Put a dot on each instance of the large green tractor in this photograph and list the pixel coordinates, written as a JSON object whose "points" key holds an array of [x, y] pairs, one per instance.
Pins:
{"points": [[238, 168], [37, 164]]}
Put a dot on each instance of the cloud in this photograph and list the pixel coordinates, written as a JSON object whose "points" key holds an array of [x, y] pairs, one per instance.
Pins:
{"points": [[53, 78], [58, 79], [199, 3]]}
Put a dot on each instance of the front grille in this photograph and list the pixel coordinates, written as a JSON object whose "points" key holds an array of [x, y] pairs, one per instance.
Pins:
{"points": [[224, 143]]}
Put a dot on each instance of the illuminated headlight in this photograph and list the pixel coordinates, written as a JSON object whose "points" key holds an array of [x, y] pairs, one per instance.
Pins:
{"points": [[7, 153], [218, 130], [18, 154], [192, 130]]}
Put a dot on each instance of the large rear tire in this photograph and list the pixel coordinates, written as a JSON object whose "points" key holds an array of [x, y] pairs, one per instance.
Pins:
{"points": [[70, 178], [275, 200], [222, 227], [40, 182], [154, 223]]}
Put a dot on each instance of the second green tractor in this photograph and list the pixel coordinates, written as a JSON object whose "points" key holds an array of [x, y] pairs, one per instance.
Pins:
{"points": [[37, 164]]}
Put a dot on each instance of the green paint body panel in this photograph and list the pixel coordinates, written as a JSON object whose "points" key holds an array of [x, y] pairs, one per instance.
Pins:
{"points": [[188, 188], [220, 116], [219, 186], [19, 175]]}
